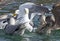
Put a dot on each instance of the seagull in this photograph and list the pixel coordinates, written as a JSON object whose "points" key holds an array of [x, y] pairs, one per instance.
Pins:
{"points": [[23, 16], [25, 21]]}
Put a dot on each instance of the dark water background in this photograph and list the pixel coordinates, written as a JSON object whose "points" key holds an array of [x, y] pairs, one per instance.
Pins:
{"points": [[54, 36]]}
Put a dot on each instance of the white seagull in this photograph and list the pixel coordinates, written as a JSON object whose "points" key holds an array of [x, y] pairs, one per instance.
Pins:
{"points": [[23, 17]]}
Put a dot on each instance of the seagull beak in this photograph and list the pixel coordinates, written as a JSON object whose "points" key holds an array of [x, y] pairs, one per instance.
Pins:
{"points": [[14, 14]]}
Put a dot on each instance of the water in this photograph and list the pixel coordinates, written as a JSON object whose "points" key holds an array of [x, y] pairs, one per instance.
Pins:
{"points": [[54, 36]]}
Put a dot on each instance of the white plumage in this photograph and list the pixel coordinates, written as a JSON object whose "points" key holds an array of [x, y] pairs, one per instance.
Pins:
{"points": [[17, 12], [22, 12], [23, 17], [12, 21]]}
